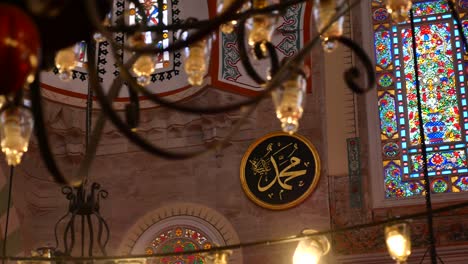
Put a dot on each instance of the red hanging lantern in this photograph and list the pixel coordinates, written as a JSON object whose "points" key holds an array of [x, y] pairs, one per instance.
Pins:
{"points": [[19, 49]]}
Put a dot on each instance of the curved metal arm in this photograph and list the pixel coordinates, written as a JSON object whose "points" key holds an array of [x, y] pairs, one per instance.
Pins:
{"points": [[354, 73]]}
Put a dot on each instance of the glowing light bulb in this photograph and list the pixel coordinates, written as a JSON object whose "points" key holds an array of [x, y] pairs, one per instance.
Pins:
{"points": [[196, 64], [399, 9], [15, 131], [310, 250], [324, 12], [143, 67], [398, 240], [227, 28], [289, 102], [66, 61], [219, 257], [261, 27]]}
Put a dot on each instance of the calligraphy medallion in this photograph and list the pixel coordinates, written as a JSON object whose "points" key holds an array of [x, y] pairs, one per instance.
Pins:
{"points": [[279, 170]]}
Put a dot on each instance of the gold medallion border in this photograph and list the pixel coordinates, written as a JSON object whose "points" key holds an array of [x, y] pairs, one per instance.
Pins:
{"points": [[304, 195]]}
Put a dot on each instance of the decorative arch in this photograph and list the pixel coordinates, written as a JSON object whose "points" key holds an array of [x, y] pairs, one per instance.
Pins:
{"points": [[183, 221]]}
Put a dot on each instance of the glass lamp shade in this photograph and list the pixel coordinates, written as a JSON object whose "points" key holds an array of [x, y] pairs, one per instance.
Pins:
{"points": [[219, 258], [324, 11], [289, 102], [196, 61], [399, 9], [227, 28], [398, 240], [260, 27], [66, 61], [143, 67], [310, 250], [15, 131]]}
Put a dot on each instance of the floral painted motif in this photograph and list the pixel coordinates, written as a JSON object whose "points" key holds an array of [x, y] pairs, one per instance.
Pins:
{"points": [[391, 150], [439, 186], [430, 8], [388, 122], [442, 79], [461, 183], [380, 14], [440, 161], [395, 187], [385, 80], [180, 239], [438, 86], [383, 47]]}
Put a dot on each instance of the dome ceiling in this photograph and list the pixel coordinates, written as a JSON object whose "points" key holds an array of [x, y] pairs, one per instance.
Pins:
{"points": [[169, 80]]}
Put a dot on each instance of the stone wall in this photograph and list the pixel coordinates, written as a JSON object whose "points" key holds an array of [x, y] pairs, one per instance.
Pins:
{"points": [[139, 183]]}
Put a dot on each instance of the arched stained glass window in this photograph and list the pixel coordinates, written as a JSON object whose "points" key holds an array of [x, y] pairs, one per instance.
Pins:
{"points": [[155, 14], [443, 96], [179, 239]]}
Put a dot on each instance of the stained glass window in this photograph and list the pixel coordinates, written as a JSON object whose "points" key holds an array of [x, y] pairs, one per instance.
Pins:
{"points": [[81, 53], [443, 95], [154, 13], [179, 239]]}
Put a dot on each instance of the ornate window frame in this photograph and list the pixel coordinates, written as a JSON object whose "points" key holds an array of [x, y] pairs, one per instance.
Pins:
{"points": [[374, 157]]}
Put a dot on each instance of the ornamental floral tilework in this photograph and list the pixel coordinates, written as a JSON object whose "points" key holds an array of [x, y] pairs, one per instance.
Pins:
{"points": [[179, 239], [443, 97]]}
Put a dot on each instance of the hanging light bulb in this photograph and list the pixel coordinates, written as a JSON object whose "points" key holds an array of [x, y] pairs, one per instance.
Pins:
{"points": [[260, 27], [324, 12], [398, 239], [196, 59], [66, 61], [144, 66], [228, 27], [310, 250], [289, 100], [399, 9], [15, 131], [219, 257]]}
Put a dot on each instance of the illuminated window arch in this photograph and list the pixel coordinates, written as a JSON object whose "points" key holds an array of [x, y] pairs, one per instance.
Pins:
{"points": [[154, 15], [443, 95]]}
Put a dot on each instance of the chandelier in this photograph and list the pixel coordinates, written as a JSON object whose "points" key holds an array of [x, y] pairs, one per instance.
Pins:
{"points": [[29, 45]]}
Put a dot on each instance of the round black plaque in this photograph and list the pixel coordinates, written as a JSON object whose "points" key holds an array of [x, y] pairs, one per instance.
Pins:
{"points": [[279, 170]]}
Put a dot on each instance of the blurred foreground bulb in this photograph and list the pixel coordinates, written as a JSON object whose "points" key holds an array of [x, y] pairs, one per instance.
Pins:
{"points": [[143, 67], [261, 27], [399, 9], [15, 131], [398, 239], [324, 12], [66, 61], [227, 28], [289, 101], [220, 257], [196, 61], [310, 250]]}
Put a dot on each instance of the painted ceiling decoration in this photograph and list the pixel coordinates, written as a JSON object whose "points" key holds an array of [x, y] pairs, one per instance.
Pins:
{"points": [[169, 79]]}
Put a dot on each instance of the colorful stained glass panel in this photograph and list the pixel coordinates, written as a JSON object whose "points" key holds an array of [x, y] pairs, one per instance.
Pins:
{"points": [[430, 8], [460, 183], [439, 186], [383, 47], [385, 80], [388, 120], [438, 161], [160, 39], [180, 239], [438, 86], [395, 187]]}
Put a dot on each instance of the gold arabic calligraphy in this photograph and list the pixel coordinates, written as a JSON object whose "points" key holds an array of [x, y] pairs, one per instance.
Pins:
{"points": [[263, 166]]}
